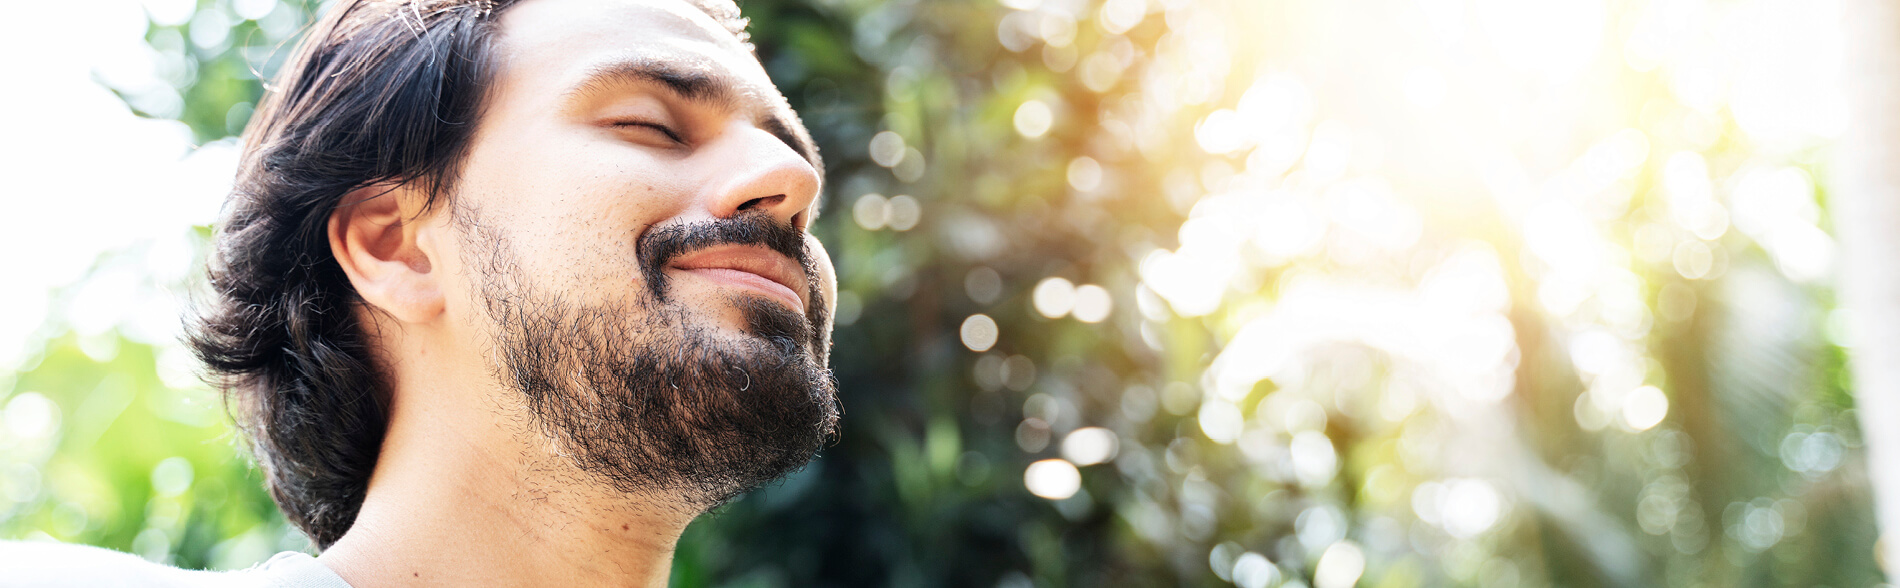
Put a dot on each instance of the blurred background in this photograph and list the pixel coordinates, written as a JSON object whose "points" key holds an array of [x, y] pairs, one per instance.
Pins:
{"points": [[1305, 293]]}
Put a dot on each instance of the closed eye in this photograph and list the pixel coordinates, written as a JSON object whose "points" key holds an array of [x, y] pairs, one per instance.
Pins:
{"points": [[662, 129]]}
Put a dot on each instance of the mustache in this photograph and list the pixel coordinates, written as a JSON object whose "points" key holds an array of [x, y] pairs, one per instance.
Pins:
{"points": [[663, 244], [784, 329]]}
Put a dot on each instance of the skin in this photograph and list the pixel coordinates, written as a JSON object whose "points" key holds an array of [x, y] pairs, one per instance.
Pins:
{"points": [[466, 492]]}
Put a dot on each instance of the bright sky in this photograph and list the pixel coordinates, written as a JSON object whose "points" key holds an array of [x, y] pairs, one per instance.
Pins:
{"points": [[86, 176]]}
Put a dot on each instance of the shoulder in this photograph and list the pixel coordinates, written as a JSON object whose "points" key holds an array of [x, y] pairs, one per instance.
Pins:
{"points": [[46, 565]]}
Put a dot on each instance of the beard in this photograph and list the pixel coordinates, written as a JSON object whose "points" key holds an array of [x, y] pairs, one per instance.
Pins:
{"points": [[648, 395]]}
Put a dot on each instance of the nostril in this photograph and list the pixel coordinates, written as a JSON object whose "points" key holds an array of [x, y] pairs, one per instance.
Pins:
{"points": [[768, 201]]}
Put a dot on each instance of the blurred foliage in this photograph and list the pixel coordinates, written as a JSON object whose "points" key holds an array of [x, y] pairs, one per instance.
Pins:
{"points": [[1200, 244]]}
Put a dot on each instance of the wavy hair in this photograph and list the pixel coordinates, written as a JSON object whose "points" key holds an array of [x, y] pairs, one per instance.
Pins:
{"points": [[378, 92]]}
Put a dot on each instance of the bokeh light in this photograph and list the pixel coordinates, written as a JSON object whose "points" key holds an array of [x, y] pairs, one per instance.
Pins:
{"points": [[1253, 292], [1053, 479]]}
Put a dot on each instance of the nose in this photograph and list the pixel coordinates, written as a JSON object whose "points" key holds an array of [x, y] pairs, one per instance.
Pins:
{"points": [[752, 169]]}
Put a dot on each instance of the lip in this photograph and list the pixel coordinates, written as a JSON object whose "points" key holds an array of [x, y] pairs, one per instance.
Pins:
{"points": [[751, 267]]}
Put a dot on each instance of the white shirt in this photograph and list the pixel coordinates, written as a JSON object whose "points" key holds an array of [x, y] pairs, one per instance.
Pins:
{"points": [[48, 565]]}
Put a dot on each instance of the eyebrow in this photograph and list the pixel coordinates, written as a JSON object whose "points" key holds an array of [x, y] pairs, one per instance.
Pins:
{"points": [[696, 82]]}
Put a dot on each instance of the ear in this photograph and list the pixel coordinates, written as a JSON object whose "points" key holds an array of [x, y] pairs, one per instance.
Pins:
{"points": [[378, 234]]}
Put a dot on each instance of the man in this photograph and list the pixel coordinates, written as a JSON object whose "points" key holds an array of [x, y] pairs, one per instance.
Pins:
{"points": [[508, 293]]}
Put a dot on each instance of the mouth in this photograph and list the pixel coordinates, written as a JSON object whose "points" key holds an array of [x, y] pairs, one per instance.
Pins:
{"points": [[746, 267]]}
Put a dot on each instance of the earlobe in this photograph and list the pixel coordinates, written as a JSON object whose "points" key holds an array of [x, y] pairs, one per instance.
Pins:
{"points": [[376, 235]]}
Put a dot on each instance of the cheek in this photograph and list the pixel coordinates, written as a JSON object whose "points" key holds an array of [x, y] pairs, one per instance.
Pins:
{"points": [[572, 232], [570, 183]]}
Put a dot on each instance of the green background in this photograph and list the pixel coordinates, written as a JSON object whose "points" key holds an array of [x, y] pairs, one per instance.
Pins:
{"points": [[926, 485]]}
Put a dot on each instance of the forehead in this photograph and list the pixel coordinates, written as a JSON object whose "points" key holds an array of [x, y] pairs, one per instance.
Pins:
{"points": [[573, 24], [549, 48]]}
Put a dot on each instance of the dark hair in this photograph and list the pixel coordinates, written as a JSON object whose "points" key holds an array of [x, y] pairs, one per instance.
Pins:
{"points": [[380, 92]]}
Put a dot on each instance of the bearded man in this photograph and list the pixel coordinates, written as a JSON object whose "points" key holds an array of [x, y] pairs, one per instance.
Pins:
{"points": [[508, 293]]}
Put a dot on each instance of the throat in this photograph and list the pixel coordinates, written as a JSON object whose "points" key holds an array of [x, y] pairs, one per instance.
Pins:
{"points": [[448, 507]]}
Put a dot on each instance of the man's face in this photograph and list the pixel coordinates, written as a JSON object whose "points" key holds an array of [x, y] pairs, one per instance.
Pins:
{"points": [[632, 216]]}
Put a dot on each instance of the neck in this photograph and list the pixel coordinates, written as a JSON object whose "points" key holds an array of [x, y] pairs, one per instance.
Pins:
{"points": [[460, 496]]}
